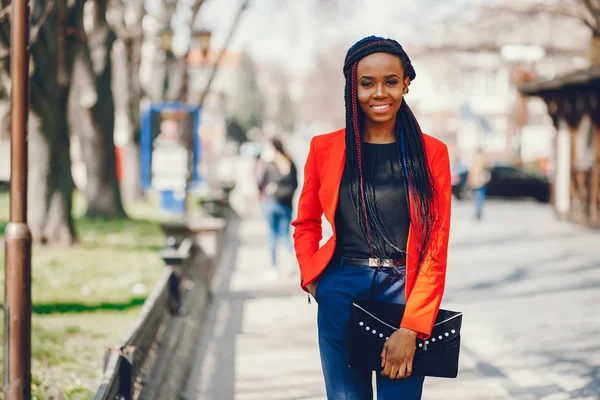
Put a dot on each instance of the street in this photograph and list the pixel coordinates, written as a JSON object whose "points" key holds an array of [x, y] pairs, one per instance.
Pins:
{"points": [[527, 283]]}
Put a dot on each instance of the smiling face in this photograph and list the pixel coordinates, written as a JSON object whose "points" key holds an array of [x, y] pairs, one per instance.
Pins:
{"points": [[381, 85]]}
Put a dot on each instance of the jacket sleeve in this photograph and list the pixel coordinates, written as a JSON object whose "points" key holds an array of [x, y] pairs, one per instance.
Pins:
{"points": [[424, 300], [307, 225]]}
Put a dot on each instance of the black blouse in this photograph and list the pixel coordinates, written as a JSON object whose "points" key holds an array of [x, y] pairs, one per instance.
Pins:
{"points": [[381, 165]]}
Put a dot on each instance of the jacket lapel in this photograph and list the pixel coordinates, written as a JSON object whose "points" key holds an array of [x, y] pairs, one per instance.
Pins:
{"points": [[334, 170]]}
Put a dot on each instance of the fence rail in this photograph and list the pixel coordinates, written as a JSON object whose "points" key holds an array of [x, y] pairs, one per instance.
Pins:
{"points": [[160, 330]]}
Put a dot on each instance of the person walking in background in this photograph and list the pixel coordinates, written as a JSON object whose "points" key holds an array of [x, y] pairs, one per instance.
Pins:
{"points": [[385, 188], [277, 186], [477, 179]]}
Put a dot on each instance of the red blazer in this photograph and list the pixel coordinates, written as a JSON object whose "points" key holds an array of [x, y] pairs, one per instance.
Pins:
{"points": [[322, 176]]}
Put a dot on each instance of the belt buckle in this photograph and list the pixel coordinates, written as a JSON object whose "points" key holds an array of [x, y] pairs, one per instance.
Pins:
{"points": [[374, 262], [385, 263]]}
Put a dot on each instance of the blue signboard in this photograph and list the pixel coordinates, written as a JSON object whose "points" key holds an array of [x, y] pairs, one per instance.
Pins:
{"points": [[170, 152]]}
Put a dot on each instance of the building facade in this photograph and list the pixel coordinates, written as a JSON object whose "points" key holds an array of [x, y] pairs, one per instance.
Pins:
{"points": [[573, 103]]}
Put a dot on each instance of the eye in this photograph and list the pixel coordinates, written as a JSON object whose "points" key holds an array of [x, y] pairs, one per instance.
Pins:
{"points": [[366, 84], [391, 82]]}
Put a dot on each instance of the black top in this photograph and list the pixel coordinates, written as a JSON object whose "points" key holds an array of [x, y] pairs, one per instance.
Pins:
{"points": [[285, 185], [381, 164]]}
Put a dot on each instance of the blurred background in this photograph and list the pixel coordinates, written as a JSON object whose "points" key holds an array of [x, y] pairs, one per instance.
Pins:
{"points": [[517, 79]]}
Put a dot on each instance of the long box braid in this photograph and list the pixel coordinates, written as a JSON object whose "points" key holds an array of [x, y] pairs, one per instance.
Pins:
{"points": [[412, 160]]}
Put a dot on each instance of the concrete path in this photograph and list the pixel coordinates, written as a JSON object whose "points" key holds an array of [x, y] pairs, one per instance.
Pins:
{"points": [[529, 287]]}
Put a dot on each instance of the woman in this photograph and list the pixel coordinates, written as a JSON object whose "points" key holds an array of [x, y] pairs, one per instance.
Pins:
{"points": [[277, 187], [384, 187], [477, 179]]}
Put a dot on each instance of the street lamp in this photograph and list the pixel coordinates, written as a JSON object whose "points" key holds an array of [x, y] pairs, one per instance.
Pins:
{"points": [[17, 236], [201, 38], [166, 38]]}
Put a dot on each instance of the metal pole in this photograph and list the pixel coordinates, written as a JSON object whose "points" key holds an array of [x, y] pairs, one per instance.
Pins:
{"points": [[17, 237]]}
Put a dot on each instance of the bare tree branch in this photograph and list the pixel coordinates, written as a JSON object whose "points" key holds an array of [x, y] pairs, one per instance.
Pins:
{"points": [[565, 9], [35, 30], [594, 11], [118, 23], [5, 11], [223, 50]]}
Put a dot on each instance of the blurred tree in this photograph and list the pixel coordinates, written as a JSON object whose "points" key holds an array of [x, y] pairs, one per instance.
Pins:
{"points": [[56, 39], [249, 103], [324, 97], [126, 17], [92, 114], [587, 12], [287, 110], [177, 88]]}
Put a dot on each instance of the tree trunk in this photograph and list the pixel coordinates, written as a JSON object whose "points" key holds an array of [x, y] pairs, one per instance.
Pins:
{"points": [[130, 64], [50, 186], [176, 89], [50, 190], [96, 123], [92, 117]]}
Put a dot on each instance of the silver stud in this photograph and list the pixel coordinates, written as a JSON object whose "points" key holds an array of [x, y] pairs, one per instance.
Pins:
{"points": [[446, 334], [367, 328], [381, 335], [432, 339], [387, 338], [361, 323], [440, 337], [374, 331], [427, 342], [420, 344], [453, 331]]}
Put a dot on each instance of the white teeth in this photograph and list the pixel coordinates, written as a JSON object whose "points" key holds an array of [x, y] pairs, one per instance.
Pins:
{"points": [[380, 107]]}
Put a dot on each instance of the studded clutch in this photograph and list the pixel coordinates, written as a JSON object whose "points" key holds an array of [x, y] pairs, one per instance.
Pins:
{"points": [[373, 323]]}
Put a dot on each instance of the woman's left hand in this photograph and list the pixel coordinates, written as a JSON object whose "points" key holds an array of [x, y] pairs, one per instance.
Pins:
{"points": [[398, 353]]}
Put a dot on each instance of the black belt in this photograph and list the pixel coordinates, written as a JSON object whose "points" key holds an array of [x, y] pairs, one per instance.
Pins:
{"points": [[374, 262]]}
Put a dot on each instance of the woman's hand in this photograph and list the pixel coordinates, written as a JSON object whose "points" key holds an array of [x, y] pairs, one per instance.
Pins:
{"points": [[312, 287], [398, 353]]}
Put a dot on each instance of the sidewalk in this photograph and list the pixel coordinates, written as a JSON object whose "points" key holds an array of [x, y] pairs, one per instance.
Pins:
{"points": [[260, 339]]}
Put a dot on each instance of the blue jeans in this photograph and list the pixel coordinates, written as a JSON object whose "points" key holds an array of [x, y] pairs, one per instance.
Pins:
{"points": [[337, 287], [279, 218], [479, 195]]}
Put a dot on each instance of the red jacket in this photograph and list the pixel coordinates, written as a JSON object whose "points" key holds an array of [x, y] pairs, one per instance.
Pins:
{"points": [[322, 176]]}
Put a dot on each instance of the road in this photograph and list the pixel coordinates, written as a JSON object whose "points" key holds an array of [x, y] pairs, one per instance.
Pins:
{"points": [[528, 284]]}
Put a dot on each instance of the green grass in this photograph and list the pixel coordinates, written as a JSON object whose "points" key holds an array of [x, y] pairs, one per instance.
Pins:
{"points": [[86, 297], [68, 351]]}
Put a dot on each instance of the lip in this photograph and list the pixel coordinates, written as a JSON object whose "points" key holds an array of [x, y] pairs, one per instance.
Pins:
{"points": [[382, 108]]}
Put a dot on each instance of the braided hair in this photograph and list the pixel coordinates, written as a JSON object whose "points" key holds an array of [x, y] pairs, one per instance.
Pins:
{"points": [[412, 159]]}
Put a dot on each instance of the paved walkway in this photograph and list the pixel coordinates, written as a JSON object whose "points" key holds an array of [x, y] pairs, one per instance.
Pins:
{"points": [[528, 284]]}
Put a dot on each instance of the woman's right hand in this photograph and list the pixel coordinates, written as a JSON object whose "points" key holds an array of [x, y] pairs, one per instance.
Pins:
{"points": [[312, 287]]}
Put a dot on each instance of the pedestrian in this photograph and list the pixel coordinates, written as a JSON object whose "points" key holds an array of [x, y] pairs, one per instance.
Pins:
{"points": [[277, 186], [477, 179], [384, 187]]}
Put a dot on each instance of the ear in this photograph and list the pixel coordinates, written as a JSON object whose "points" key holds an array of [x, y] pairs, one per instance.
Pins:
{"points": [[406, 84]]}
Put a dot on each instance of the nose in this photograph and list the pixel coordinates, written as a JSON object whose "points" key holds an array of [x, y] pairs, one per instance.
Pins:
{"points": [[380, 91]]}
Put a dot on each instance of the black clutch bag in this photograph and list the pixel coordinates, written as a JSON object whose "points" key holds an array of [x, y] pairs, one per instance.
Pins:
{"points": [[373, 323]]}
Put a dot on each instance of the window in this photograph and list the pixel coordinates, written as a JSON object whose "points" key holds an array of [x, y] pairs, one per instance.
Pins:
{"points": [[509, 173]]}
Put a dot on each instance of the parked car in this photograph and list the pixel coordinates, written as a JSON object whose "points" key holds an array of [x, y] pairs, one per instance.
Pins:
{"points": [[459, 181], [512, 182], [505, 182]]}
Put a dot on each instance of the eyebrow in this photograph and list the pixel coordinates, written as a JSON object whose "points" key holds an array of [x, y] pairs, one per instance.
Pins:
{"points": [[386, 77]]}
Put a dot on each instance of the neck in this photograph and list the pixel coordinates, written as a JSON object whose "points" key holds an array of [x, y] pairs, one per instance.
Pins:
{"points": [[379, 132]]}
